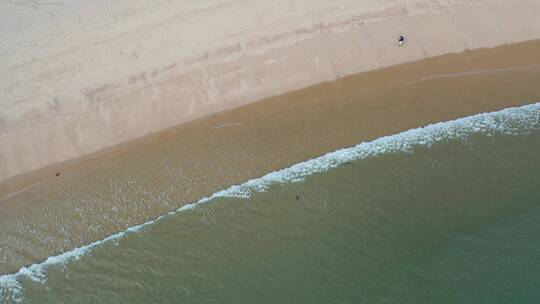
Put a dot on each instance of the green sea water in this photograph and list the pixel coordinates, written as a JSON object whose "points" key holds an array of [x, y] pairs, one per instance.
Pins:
{"points": [[454, 221]]}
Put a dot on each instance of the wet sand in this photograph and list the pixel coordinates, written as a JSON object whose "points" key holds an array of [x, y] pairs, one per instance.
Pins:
{"points": [[111, 190]]}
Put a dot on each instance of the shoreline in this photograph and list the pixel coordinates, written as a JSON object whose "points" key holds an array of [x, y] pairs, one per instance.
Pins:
{"points": [[450, 65], [70, 89], [399, 142], [154, 175]]}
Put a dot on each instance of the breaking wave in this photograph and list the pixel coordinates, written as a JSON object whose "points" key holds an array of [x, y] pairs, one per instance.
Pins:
{"points": [[511, 121]]}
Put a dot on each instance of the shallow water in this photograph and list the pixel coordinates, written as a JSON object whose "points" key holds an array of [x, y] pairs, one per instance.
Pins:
{"points": [[137, 183], [445, 214]]}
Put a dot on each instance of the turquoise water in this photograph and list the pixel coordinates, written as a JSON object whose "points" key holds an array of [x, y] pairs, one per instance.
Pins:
{"points": [[445, 214]]}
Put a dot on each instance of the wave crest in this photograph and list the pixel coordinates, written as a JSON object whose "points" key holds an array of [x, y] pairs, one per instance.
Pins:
{"points": [[510, 121]]}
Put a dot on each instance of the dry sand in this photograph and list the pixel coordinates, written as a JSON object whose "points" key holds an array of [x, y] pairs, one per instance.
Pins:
{"points": [[78, 77], [131, 183]]}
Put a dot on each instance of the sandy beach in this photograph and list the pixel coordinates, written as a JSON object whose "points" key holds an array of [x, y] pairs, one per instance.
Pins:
{"points": [[234, 151], [78, 78], [109, 191], [114, 113]]}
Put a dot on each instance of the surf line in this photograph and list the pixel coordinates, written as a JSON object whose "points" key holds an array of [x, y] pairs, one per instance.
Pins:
{"points": [[509, 121]]}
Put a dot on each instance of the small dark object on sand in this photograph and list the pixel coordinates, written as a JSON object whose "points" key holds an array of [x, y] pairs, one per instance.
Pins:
{"points": [[401, 40], [57, 173]]}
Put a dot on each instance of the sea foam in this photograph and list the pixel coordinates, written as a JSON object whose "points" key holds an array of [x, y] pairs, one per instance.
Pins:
{"points": [[510, 121]]}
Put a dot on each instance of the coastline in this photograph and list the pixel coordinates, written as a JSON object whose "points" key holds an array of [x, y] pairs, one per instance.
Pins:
{"points": [[451, 65], [514, 121], [67, 99], [141, 180]]}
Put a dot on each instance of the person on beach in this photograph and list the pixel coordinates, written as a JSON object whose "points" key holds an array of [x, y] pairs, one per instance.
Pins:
{"points": [[401, 40]]}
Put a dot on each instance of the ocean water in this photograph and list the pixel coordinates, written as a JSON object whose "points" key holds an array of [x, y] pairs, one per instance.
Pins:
{"points": [[448, 213]]}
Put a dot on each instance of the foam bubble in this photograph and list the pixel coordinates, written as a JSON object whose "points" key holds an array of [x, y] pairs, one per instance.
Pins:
{"points": [[509, 121]]}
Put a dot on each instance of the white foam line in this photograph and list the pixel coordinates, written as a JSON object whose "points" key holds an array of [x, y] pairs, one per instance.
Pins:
{"points": [[508, 121]]}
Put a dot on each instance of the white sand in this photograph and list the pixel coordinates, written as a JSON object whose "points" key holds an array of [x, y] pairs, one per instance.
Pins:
{"points": [[80, 76]]}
